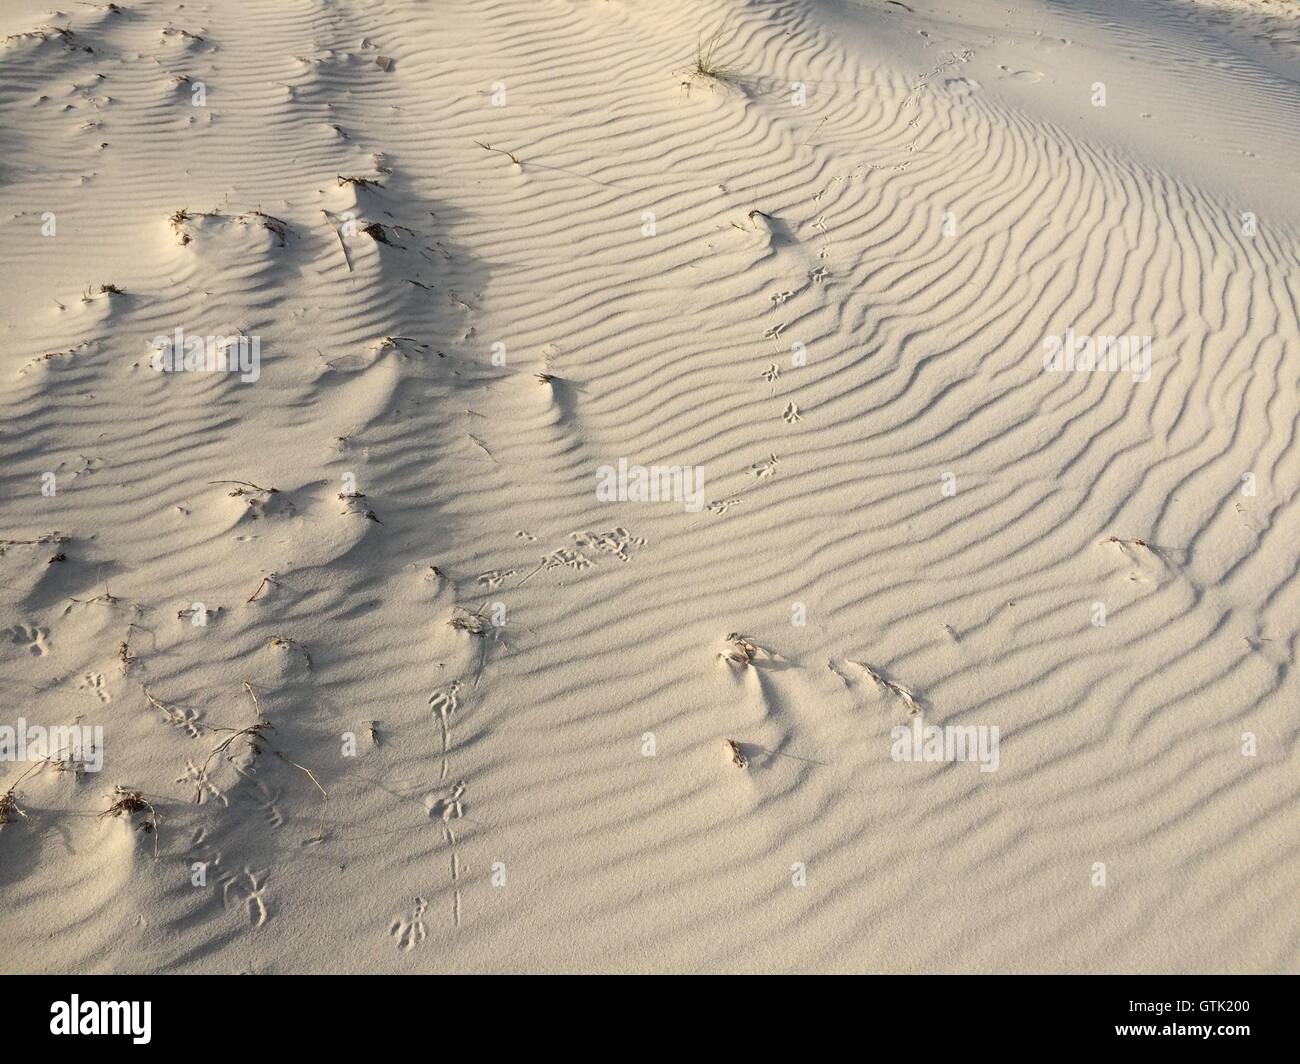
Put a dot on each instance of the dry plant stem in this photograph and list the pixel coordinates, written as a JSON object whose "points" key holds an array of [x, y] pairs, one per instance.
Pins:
{"points": [[269, 579], [302, 768], [500, 151], [176, 718], [254, 733], [106, 598], [531, 575], [482, 662], [245, 487], [155, 703], [256, 740], [9, 801]]}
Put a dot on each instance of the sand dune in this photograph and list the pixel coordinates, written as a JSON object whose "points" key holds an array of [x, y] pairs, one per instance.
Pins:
{"points": [[405, 693]]}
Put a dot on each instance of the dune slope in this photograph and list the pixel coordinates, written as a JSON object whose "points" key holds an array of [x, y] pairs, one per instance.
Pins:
{"points": [[434, 704]]}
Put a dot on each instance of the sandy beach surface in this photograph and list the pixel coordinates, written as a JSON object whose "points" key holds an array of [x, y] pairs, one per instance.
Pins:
{"points": [[629, 486]]}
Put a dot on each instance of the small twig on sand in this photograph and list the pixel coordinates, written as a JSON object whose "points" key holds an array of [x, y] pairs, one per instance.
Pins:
{"points": [[302, 768], [106, 598], [189, 723], [532, 574], [500, 151], [268, 579], [253, 732], [246, 488]]}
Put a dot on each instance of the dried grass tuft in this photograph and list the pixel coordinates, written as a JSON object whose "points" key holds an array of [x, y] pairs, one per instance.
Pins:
{"points": [[708, 67], [128, 802]]}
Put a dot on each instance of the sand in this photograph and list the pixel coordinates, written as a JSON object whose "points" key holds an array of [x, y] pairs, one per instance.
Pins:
{"points": [[484, 685]]}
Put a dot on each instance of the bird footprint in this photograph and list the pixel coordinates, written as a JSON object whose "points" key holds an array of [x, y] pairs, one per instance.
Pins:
{"points": [[94, 681], [410, 930]]}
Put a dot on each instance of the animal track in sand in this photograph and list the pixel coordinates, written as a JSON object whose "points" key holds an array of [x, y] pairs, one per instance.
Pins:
{"points": [[265, 799], [445, 701], [270, 810], [1026, 76], [254, 901], [94, 681], [791, 414], [34, 638], [203, 853], [92, 466], [204, 788], [186, 720], [446, 808], [494, 578], [574, 559], [410, 930], [617, 541]]}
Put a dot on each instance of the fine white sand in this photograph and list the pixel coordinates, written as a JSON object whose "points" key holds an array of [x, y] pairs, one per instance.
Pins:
{"points": [[1102, 566]]}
